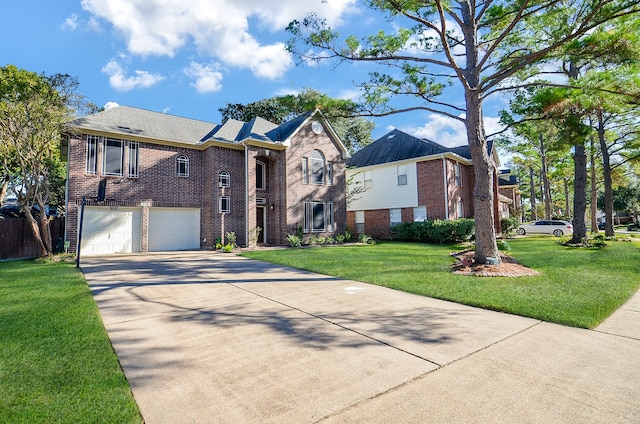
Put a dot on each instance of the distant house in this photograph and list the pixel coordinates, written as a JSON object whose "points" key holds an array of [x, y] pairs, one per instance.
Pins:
{"points": [[411, 179], [510, 195], [157, 182]]}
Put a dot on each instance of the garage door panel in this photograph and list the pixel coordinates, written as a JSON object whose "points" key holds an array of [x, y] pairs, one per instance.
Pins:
{"points": [[174, 229], [106, 231]]}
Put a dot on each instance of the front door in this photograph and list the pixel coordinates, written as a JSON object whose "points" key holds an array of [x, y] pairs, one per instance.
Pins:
{"points": [[261, 222]]}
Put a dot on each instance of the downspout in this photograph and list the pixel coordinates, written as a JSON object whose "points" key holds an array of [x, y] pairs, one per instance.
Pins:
{"points": [[446, 187], [66, 194], [246, 194]]}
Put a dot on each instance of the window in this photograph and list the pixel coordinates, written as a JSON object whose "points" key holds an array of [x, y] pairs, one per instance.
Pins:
{"points": [[305, 170], [318, 220], [396, 216], [224, 204], [305, 228], [420, 214], [460, 208], [330, 173], [368, 179], [113, 157], [224, 179], [261, 176], [92, 154], [133, 159], [318, 217], [360, 222], [182, 166], [330, 223], [317, 168], [402, 175], [458, 174]]}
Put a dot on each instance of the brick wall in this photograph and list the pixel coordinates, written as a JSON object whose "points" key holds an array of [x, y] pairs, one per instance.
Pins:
{"points": [[431, 188], [297, 192], [214, 224]]}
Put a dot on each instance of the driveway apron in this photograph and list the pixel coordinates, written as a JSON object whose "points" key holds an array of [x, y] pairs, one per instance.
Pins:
{"points": [[217, 338]]}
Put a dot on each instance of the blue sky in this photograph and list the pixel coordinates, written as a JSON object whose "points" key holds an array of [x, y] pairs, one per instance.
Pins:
{"points": [[189, 58]]}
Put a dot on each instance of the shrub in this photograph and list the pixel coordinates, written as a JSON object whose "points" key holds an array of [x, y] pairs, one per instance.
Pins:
{"points": [[434, 231], [504, 245], [363, 238], [228, 247], [231, 238], [340, 238], [293, 240], [509, 225], [347, 236]]}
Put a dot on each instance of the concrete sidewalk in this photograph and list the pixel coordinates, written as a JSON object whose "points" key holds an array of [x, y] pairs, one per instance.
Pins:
{"points": [[217, 338]]}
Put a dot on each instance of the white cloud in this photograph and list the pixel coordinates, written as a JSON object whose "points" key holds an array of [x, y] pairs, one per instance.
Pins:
{"points": [[449, 132], [219, 28], [441, 129], [286, 92], [208, 78], [110, 105], [71, 22], [121, 82]]}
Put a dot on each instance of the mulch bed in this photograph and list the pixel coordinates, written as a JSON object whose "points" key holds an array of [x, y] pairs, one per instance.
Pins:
{"points": [[508, 267]]}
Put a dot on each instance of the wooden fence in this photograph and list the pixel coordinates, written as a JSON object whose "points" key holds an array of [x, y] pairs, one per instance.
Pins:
{"points": [[17, 240]]}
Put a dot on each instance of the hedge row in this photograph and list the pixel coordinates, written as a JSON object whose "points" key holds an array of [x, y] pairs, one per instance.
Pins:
{"points": [[434, 231]]}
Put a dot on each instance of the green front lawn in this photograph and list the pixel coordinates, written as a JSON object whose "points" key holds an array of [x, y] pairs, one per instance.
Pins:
{"points": [[577, 287], [56, 362]]}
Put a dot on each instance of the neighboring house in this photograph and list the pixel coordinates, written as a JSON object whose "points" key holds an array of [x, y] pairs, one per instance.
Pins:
{"points": [[157, 182], [410, 179], [510, 195]]}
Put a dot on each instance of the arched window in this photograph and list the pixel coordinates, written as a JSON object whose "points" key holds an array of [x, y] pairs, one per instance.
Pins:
{"points": [[182, 166], [317, 168], [224, 179]]}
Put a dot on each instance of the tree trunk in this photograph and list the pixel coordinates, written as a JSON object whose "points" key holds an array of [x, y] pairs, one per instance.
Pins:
{"points": [[606, 172], [483, 193], [594, 191], [3, 190], [35, 229], [567, 203], [544, 175], [579, 194], [532, 195]]}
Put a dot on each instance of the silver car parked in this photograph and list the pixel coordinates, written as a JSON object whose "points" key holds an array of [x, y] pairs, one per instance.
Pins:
{"points": [[546, 226]]}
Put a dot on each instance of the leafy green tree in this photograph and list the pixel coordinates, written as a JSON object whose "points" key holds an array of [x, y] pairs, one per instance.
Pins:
{"points": [[32, 117], [355, 132], [480, 46]]}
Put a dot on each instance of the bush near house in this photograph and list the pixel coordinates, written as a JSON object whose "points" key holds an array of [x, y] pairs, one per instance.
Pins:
{"points": [[508, 225], [434, 231]]}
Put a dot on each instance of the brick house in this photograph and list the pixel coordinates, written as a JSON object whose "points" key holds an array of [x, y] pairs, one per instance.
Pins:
{"points": [[510, 195], [410, 179], [157, 182]]}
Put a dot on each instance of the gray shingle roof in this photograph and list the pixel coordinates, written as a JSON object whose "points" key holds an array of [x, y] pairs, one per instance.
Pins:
{"points": [[127, 121], [397, 145], [394, 146]]}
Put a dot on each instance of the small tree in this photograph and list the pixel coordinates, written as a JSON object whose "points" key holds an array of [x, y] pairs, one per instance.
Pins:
{"points": [[32, 116]]}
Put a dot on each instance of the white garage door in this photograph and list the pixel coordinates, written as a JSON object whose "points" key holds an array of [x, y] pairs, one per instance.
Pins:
{"points": [[174, 229], [106, 231]]}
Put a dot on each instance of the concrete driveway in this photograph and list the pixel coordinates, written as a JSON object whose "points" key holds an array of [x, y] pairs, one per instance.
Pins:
{"points": [[217, 338]]}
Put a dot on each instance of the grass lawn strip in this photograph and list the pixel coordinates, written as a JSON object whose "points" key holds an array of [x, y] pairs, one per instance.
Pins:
{"points": [[57, 364], [577, 287]]}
